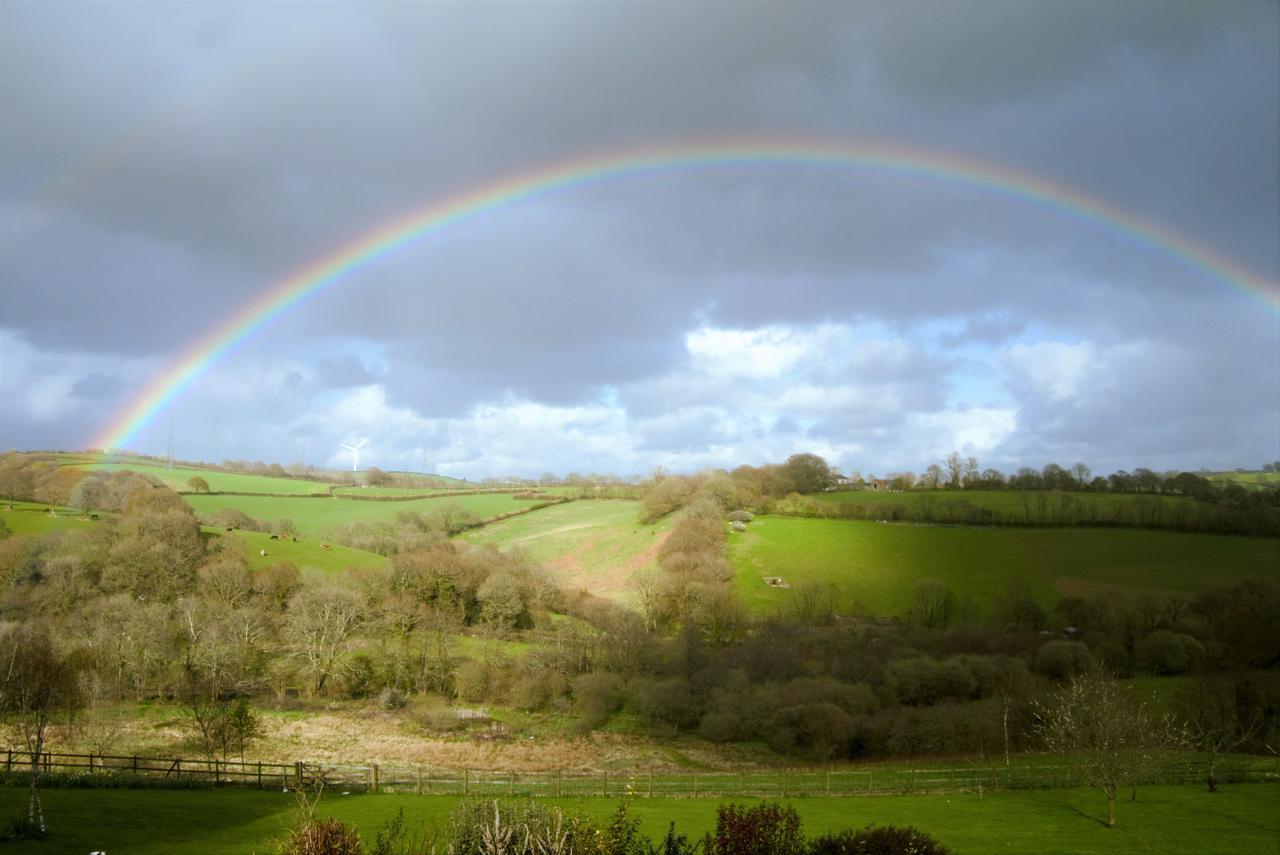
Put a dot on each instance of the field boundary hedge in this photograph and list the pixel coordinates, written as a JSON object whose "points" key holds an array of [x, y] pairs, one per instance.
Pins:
{"points": [[106, 770]]}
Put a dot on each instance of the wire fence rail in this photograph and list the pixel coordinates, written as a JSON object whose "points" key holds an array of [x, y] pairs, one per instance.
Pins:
{"points": [[781, 783]]}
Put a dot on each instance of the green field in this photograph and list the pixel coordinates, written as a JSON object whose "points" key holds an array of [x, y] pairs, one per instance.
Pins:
{"points": [[391, 491], [1185, 819], [874, 566], [305, 554], [1012, 503], [29, 518], [315, 517], [219, 482], [1254, 480], [598, 545]]}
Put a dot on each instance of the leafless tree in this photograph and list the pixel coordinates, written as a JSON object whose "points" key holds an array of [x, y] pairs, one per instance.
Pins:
{"points": [[38, 684], [1109, 737], [1211, 706]]}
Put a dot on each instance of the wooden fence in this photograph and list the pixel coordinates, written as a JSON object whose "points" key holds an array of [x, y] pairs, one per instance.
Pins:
{"points": [[781, 783]]}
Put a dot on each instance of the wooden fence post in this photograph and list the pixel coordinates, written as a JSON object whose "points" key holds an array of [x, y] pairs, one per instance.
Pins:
{"points": [[828, 782], [297, 768], [784, 783], [373, 778], [695, 783], [466, 782], [419, 780], [512, 790], [606, 784], [259, 774], [559, 781], [650, 783]]}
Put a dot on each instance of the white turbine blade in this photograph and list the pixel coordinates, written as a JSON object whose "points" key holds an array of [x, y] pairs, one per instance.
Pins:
{"points": [[362, 442]]}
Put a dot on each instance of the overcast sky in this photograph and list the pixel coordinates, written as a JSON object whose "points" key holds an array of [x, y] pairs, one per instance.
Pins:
{"points": [[163, 163]]}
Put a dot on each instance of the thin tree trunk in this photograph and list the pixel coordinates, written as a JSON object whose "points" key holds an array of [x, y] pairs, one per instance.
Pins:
{"points": [[35, 810], [1006, 730], [1111, 810]]}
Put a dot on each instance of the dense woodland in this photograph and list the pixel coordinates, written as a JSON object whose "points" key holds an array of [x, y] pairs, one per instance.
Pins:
{"points": [[147, 607]]}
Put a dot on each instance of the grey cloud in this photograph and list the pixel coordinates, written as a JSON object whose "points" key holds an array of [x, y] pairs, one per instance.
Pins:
{"points": [[163, 164]]}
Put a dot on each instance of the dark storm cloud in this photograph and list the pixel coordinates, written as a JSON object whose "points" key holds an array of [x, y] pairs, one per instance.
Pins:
{"points": [[162, 164], [99, 388]]}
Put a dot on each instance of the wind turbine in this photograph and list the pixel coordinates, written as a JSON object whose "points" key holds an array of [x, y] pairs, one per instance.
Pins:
{"points": [[355, 453]]}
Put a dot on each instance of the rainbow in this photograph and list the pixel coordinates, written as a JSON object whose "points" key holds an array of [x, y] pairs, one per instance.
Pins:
{"points": [[310, 280]]}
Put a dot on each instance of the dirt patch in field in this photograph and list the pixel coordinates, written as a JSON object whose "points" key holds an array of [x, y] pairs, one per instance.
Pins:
{"points": [[643, 558], [570, 565], [375, 736]]}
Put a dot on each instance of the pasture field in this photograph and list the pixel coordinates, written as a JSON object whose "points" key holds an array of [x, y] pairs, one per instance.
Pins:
{"points": [[398, 491], [1011, 503], [1256, 480], [315, 517], [594, 544], [1168, 819], [306, 554], [219, 482], [874, 566], [30, 518]]}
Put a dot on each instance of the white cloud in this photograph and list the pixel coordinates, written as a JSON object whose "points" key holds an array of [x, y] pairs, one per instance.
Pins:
{"points": [[1053, 369]]}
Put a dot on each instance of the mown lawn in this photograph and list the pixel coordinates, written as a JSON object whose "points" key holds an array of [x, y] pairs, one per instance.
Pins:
{"points": [[593, 544], [874, 566], [315, 517], [234, 482], [1238, 819]]}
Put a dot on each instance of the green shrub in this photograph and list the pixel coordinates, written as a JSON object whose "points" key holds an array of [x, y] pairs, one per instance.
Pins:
{"points": [[675, 844], [881, 840], [1060, 659]]}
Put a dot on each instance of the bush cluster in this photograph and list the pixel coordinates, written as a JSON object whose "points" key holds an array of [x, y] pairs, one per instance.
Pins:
{"points": [[503, 827]]}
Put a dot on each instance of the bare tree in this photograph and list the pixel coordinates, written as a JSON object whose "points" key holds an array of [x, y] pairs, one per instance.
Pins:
{"points": [[955, 469], [1081, 473], [1109, 737], [932, 604], [37, 685], [1211, 704], [932, 476], [319, 624]]}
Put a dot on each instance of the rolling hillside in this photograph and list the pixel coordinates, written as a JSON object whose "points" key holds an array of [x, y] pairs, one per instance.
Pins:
{"points": [[315, 517], [598, 545], [874, 566]]}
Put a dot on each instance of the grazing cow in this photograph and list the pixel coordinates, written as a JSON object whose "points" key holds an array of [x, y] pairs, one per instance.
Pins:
{"points": [[229, 528], [262, 552], [325, 546], [275, 537]]}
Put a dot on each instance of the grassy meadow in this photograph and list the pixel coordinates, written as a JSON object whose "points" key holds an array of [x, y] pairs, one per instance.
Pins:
{"points": [[219, 482], [314, 517], [874, 566], [1010, 503], [30, 518], [596, 544], [306, 554], [1168, 819]]}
